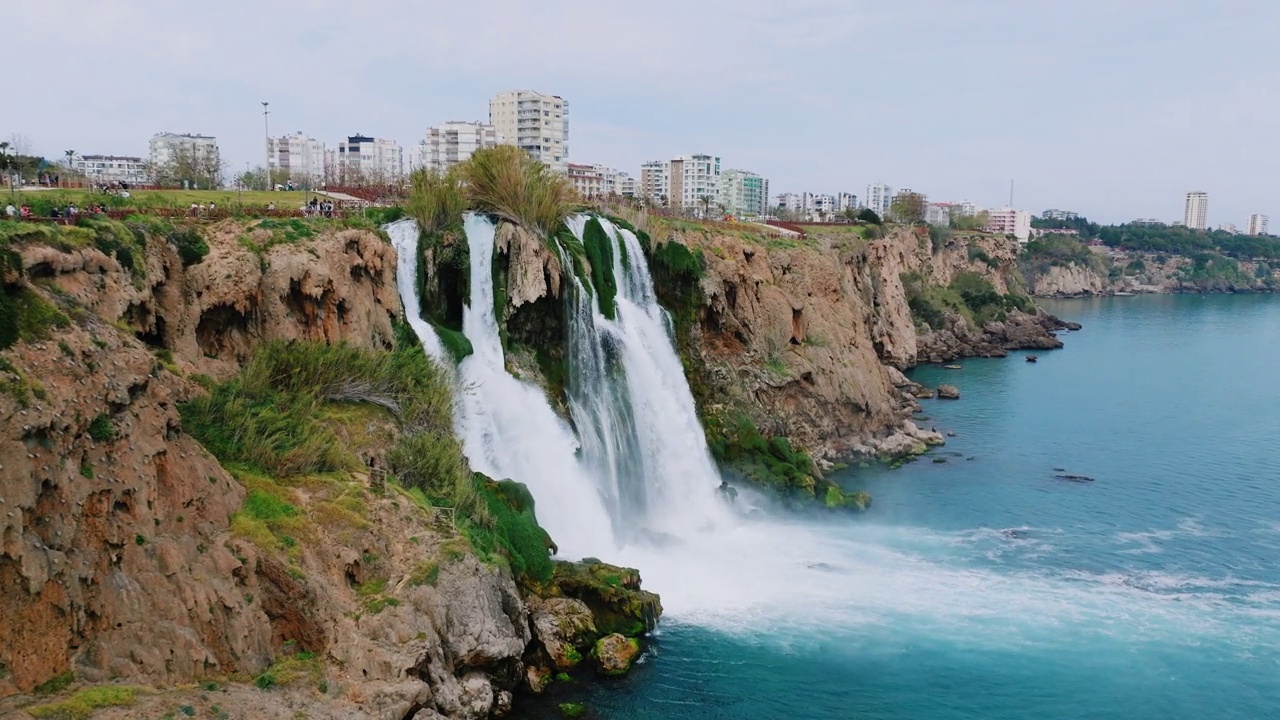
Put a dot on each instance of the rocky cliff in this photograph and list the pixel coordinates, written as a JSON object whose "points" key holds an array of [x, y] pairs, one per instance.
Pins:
{"points": [[126, 555], [804, 335], [1113, 271]]}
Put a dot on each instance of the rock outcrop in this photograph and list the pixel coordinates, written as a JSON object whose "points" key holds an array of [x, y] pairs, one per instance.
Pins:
{"points": [[119, 557]]}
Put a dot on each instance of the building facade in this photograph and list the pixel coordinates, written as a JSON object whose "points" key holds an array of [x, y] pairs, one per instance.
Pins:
{"points": [[166, 147], [1195, 215], [535, 123], [361, 159], [1008, 221], [846, 202], [938, 214], [626, 185], [1258, 224], [298, 157], [587, 180], [655, 181], [103, 169], [694, 183], [879, 197], [451, 143], [744, 193], [1059, 215]]}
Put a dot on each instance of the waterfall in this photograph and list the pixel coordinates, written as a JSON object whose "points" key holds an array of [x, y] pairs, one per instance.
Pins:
{"points": [[633, 408], [507, 427]]}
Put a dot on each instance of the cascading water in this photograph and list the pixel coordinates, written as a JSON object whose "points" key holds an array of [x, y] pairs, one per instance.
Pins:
{"points": [[632, 405], [507, 428]]}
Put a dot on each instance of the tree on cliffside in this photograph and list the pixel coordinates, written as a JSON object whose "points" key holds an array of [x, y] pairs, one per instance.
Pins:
{"points": [[908, 207]]}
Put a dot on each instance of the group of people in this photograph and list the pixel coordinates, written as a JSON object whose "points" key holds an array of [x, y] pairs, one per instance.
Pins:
{"points": [[70, 211], [318, 208]]}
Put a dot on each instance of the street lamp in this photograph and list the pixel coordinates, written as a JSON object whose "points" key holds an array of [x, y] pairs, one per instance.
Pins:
{"points": [[266, 131]]}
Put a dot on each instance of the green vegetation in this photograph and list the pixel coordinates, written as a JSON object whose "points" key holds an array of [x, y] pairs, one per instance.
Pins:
{"points": [[425, 573], [291, 669], [101, 429], [455, 342], [56, 684], [507, 182], [969, 295], [43, 201], [599, 251], [773, 463], [436, 201], [280, 419], [938, 237], [1059, 251], [1213, 272], [978, 254], [572, 709], [867, 215], [82, 704]]}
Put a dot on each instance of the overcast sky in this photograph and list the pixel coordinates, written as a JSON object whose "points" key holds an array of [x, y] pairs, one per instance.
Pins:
{"points": [[1112, 108]]}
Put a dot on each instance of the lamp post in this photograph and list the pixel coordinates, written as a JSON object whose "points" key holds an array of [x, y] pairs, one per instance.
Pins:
{"points": [[266, 131]]}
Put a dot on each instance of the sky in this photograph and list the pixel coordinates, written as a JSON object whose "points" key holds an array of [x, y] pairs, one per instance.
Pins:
{"points": [[1111, 108]]}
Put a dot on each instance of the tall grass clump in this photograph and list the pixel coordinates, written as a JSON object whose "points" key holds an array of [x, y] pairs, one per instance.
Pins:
{"points": [[436, 200], [507, 182]]}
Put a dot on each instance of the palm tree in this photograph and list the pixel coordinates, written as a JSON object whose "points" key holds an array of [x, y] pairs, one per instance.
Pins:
{"points": [[706, 205], [6, 164], [71, 158]]}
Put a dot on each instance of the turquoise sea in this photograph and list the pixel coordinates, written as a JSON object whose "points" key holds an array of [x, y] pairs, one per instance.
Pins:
{"points": [[986, 586]]}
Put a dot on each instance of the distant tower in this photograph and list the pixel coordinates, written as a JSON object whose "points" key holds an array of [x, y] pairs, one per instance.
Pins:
{"points": [[1196, 214], [1258, 224]]}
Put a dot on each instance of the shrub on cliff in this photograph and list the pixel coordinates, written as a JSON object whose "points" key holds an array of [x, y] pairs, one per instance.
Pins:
{"points": [[1059, 251], [507, 182], [436, 200]]}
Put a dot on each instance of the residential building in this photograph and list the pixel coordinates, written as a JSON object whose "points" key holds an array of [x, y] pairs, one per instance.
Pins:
{"points": [[694, 182], [1061, 215], [103, 169], [1008, 221], [1196, 213], [939, 214], [625, 185], [362, 159], [296, 157], [878, 198], [655, 181], [846, 201], [791, 203], [166, 147], [451, 143], [1148, 222], [1229, 228], [1257, 224], [744, 193], [534, 122], [588, 180]]}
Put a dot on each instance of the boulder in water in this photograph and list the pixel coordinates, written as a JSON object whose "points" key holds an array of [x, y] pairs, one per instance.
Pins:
{"points": [[614, 654], [1074, 478], [948, 392], [952, 367], [612, 593], [564, 627]]}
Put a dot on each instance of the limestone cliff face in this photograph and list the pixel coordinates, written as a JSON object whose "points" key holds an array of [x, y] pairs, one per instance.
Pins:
{"points": [[118, 559], [1141, 273], [805, 334], [1068, 281]]}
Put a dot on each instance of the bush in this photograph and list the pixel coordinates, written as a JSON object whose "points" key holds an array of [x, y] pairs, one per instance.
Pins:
{"points": [[507, 182], [82, 704], [190, 245], [436, 201], [868, 215], [938, 237], [978, 254], [101, 429], [1059, 250]]}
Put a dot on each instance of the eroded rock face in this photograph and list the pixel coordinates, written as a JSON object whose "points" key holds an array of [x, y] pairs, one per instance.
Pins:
{"points": [[564, 627], [117, 557], [614, 654]]}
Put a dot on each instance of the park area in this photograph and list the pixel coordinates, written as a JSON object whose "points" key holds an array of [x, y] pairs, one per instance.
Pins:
{"points": [[42, 201]]}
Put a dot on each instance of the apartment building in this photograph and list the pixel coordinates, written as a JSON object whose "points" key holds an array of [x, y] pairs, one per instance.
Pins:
{"points": [[587, 180], [879, 197], [846, 201], [451, 143], [1195, 214], [166, 147], [363, 159], [534, 122], [744, 193], [655, 181], [104, 169], [1257, 224], [298, 157], [1008, 221]]}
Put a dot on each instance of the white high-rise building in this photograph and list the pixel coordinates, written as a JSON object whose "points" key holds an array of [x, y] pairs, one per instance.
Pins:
{"points": [[879, 197], [167, 146], [626, 185], [1196, 213], [1258, 224], [451, 143], [694, 182], [744, 193], [299, 156], [362, 159], [535, 123], [111, 168], [846, 201]]}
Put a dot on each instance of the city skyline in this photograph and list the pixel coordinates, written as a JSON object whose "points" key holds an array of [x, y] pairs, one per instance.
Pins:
{"points": [[1111, 145]]}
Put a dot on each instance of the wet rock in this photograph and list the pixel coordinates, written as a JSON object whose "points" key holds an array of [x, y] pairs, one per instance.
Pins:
{"points": [[564, 627], [614, 654], [948, 392]]}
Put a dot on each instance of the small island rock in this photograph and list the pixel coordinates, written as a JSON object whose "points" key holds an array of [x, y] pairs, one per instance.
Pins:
{"points": [[948, 392], [614, 654]]}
